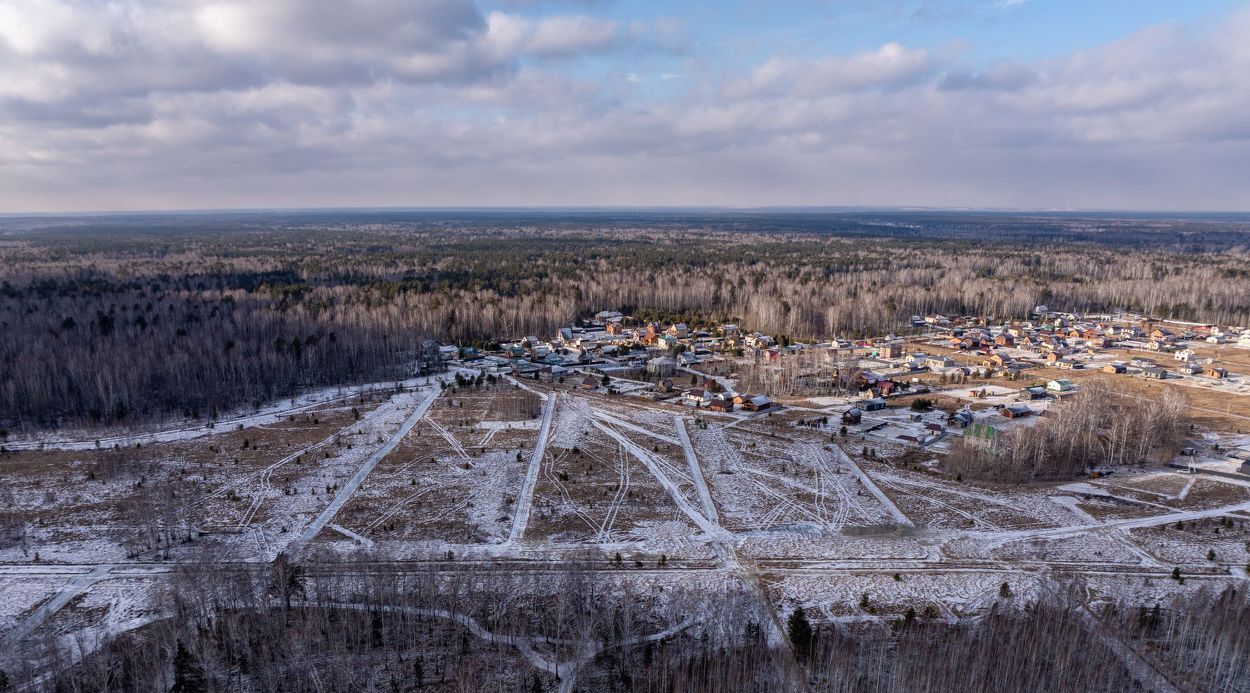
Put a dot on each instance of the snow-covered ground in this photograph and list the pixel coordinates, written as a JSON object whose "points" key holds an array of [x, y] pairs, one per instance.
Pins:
{"points": [[271, 413], [757, 506]]}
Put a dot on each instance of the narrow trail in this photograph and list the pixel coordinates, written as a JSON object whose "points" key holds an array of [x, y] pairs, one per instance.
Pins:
{"points": [[710, 528], [76, 586], [696, 472], [604, 535], [345, 493], [394, 509], [720, 539], [975, 519], [619, 423], [897, 514], [566, 670], [525, 502], [784, 502], [456, 447], [571, 504], [270, 415]]}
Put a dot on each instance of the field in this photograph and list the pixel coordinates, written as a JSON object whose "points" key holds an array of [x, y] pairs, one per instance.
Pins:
{"points": [[521, 476]]}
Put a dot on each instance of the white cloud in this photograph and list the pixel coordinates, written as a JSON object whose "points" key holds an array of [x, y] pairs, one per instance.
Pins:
{"points": [[199, 104], [565, 35], [889, 66]]}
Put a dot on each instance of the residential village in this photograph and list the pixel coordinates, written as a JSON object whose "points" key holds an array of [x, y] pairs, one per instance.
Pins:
{"points": [[968, 373]]}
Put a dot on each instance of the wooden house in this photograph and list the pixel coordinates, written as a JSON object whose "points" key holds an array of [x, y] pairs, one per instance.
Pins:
{"points": [[1016, 411], [757, 403]]}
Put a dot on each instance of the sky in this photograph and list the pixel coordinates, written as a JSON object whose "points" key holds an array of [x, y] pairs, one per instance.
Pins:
{"points": [[110, 105]]}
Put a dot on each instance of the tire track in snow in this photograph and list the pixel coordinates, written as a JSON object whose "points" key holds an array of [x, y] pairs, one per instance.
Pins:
{"points": [[345, 493], [897, 514], [696, 473], [525, 501]]}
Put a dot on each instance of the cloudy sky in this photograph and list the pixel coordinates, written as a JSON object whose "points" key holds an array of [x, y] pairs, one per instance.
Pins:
{"points": [[199, 104]]}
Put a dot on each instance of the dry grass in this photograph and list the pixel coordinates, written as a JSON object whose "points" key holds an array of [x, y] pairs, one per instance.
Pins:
{"points": [[427, 490]]}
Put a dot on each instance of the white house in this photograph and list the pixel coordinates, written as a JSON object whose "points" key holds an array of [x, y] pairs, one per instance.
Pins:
{"points": [[1061, 385], [697, 398]]}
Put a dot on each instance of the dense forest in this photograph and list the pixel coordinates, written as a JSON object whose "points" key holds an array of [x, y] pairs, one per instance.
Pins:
{"points": [[375, 627], [119, 320]]}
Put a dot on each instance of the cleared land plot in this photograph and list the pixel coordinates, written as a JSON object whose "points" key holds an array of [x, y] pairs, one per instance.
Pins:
{"points": [[117, 503], [1124, 497], [594, 488], [944, 503], [453, 478], [1191, 543], [766, 484], [866, 596], [1092, 548], [21, 595]]}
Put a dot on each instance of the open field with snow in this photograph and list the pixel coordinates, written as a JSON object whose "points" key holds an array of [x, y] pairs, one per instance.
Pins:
{"points": [[769, 507]]}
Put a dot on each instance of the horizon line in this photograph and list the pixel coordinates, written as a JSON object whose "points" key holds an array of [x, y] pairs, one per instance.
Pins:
{"points": [[623, 208]]}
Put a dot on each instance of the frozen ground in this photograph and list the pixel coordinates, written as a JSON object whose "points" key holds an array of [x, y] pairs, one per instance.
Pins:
{"points": [[455, 477]]}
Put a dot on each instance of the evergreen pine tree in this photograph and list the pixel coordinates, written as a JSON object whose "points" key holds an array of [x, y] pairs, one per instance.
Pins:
{"points": [[800, 631], [187, 675]]}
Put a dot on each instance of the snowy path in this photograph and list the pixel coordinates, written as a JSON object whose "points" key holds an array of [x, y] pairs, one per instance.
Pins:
{"points": [[456, 447], [267, 415], [521, 518], [352, 535], [700, 484], [587, 649], [527, 388], [76, 586], [604, 534], [1073, 504], [700, 520], [999, 538], [897, 514], [602, 416], [341, 498]]}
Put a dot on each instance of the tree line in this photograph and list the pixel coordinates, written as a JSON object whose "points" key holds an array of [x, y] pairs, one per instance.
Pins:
{"points": [[1102, 425], [379, 627], [134, 324]]}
